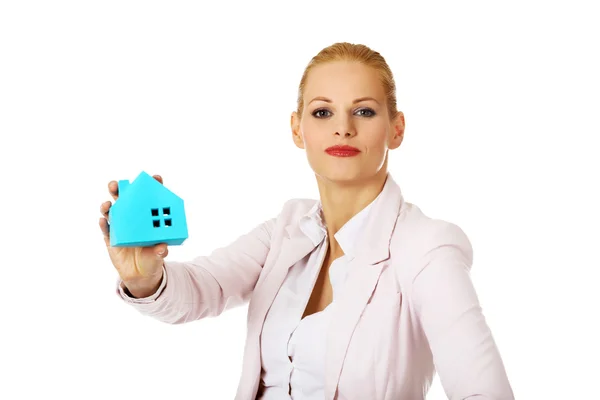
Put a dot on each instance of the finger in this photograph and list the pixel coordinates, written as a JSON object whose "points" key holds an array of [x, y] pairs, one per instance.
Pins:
{"points": [[113, 186], [104, 208], [105, 230], [113, 189]]}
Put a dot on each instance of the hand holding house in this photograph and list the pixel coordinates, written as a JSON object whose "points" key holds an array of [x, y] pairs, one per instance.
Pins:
{"points": [[145, 214]]}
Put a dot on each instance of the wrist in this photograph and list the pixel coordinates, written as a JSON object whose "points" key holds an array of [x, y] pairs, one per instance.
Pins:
{"points": [[142, 288]]}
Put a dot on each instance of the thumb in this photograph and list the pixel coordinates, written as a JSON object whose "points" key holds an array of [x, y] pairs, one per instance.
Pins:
{"points": [[161, 250]]}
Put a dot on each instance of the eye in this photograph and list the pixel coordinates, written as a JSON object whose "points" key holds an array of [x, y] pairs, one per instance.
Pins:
{"points": [[320, 113], [366, 112]]}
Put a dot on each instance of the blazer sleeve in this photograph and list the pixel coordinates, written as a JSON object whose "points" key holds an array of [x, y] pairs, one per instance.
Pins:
{"points": [[210, 284], [125, 295], [464, 351]]}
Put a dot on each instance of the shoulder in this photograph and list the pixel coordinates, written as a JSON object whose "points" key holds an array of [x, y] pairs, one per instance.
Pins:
{"points": [[427, 232], [418, 238]]}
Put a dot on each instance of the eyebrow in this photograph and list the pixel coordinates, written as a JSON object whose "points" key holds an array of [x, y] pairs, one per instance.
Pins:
{"points": [[325, 99]]}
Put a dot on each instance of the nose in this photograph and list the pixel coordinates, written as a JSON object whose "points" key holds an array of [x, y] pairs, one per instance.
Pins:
{"points": [[346, 127]]}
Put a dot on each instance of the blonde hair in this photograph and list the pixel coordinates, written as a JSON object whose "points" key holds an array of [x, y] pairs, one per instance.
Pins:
{"points": [[344, 51]]}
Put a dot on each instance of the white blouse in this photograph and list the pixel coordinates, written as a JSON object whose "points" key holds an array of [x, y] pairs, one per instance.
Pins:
{"points": [[292, 348]]}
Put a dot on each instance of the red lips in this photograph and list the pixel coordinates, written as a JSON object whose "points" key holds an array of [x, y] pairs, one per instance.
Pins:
{"points": [[342, 151]]}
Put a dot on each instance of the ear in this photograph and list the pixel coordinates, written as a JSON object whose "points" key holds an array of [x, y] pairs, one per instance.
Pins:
{"points": [[296, 136], [398, 131]]}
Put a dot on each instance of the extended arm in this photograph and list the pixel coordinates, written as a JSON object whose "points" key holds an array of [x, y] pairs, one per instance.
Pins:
{"points": [[208, 285]]}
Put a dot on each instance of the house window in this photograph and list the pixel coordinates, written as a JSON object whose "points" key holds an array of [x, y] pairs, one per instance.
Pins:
{"points": [[166, 212]]}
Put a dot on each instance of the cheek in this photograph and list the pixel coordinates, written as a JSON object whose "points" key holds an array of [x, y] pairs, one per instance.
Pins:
{"points": [[377, 142], [312, 135]]}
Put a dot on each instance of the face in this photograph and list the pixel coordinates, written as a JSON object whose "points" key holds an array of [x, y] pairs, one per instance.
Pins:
{"points": [[345, 104]]}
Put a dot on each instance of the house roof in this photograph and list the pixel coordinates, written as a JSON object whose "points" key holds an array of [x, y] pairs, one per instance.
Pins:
{"points": [[143, 179]]}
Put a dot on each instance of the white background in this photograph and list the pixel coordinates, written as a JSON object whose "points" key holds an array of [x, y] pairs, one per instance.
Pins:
{"points": [[501, 103]]}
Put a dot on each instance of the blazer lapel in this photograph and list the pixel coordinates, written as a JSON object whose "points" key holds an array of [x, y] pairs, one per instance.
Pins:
{"points": [[358, 288], [294, 247], [364, 272]]}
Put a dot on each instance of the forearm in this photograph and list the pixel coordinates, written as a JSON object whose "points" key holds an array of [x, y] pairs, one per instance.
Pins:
{"points": [[207, 285]]}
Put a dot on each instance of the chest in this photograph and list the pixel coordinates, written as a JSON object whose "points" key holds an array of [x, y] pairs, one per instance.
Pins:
{"points": [[321, 294]]}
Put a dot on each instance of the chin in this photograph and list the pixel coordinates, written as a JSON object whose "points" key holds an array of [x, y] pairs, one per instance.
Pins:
{"points": [[340, 176], [344, 171]]}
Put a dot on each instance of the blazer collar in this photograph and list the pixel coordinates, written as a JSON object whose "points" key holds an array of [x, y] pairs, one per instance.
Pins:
{"points": [[314, 227], [374, 239], [378, 229]]}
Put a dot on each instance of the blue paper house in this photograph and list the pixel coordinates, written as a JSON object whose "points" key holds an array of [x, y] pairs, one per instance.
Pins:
{"points": [[146, 213]]}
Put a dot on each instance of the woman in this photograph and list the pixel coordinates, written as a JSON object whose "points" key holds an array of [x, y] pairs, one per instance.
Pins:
{"points": [[355, 296]]}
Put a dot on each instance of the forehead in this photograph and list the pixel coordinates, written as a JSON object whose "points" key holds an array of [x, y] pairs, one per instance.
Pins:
{"points": [[341, 79]]}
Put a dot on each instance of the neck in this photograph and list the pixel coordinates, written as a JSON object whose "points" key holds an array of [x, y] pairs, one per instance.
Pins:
{"points": [[342, 201]]}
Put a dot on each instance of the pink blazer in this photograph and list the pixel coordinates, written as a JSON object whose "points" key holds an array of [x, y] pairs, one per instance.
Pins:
{"points": [[409, 307]]}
